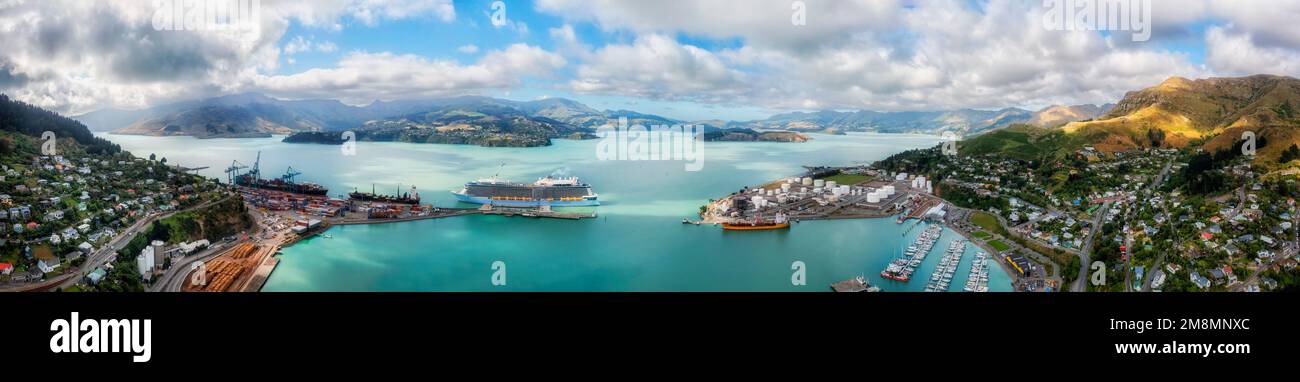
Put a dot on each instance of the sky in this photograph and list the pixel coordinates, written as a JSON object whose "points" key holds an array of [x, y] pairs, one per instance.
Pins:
{"points": [[685, 59]]}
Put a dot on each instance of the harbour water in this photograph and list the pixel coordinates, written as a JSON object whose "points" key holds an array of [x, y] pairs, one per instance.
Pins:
{"points": [[636, 244]]}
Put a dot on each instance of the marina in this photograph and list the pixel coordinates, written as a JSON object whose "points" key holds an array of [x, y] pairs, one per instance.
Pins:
{"points": [[902, 269], [978, 280], [942, 275]]}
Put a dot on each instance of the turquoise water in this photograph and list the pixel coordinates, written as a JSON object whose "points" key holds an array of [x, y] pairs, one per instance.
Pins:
{"points": [[637, 243]]}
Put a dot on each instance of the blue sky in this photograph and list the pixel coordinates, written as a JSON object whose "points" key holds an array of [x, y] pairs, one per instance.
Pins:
{"points": [[687, 59], [430, 37]]}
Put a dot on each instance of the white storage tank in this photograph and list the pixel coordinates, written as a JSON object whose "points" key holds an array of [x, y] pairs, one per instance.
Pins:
{"points": [[873, 198], [901, 176], [819, 183], [807, 181], [831, 184], [785, 187]]}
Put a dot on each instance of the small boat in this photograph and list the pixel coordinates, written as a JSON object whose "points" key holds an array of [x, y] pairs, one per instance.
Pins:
{"points": [[327, 236]]}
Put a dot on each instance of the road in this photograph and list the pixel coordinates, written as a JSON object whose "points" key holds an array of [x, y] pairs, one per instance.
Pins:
{"points": [[173, 278], [1080, 282], [1128, 241], [101, 256]]}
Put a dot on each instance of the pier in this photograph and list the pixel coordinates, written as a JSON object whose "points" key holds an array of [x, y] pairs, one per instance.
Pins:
{"points": [[540, 212]]}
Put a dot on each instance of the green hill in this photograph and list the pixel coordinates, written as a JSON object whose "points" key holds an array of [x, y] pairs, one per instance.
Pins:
{"points": [[1024, 142]]}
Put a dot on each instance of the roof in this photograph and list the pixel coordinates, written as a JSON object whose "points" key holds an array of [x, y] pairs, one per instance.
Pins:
{"points": [[4, 266]]}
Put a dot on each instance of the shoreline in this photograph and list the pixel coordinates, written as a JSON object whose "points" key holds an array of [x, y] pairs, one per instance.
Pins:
{"points": [[992, 253]]}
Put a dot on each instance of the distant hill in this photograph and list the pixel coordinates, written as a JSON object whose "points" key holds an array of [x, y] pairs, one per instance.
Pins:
{"points": [[240, 115], [209, 122], [469, 120], [457, 120], [966, 122], [255, 115], [1054, 116], [746, 135], [963, 122], [1180, 112]]}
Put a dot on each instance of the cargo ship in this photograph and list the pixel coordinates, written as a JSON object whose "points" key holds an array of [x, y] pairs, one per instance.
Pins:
{"points": [[546, 191], [411, 197], [779, 222], [285, 183], [282, 185]]}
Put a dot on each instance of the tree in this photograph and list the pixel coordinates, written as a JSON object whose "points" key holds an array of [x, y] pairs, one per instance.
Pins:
{"points": [[151, 157], [1290, 154]]}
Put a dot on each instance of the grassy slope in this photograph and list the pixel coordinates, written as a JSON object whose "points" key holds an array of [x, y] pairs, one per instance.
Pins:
{"points": [[1022, 142]]}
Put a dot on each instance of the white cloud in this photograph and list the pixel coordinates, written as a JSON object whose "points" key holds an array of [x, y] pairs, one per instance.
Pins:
{"points": [[765, 23], [301, 45], [77, 56], [1234, 53], [362, 77], [939, 55], [468, 49], [658, 67], [371, 11]]}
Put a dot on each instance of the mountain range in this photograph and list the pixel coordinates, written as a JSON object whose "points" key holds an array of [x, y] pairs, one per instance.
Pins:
{"points": [[473, 119], [964, 122]]}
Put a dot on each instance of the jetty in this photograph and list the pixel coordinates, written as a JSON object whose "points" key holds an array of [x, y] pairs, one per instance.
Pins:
{"points": [[539, 212]]}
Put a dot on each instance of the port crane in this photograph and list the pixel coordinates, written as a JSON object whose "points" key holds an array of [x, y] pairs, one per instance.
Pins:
{"points": [[289, 174], [233, 171]]}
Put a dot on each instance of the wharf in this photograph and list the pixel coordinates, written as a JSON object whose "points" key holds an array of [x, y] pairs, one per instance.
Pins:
{"points": [[262, 273], [542, 212]]}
